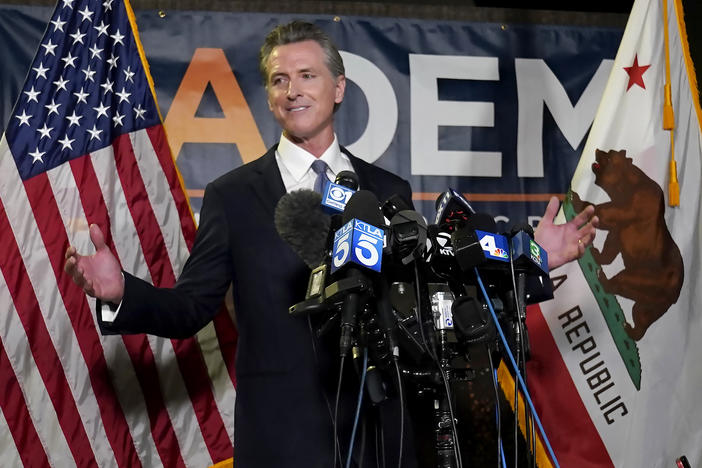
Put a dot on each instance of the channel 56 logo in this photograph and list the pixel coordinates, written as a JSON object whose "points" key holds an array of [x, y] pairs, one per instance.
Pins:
{"points": [[360, 243], [335, 197]]}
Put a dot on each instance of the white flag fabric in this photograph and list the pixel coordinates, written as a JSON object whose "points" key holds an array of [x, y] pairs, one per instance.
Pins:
{"points": [[616, 371], [85, 145]]}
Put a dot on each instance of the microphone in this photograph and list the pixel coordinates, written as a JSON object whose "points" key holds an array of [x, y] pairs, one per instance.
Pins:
{"points": [[531, 264], [358, 243], [393, 205], [360, 239], [302, 224], [408, 235], [452, 208], [337, 194], [528, 255], [476, 243]]}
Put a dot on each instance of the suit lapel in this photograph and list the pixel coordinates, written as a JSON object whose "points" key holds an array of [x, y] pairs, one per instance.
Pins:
{"points": [[268, 184], [362, 169]]}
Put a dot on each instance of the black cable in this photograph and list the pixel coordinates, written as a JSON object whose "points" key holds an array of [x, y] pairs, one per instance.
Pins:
{"points": [[497, 408], [324, 393], [377, 443], [454, 429], [518, 333], [382, 443], [529, 436], [359, 404], [363, 441], [337, 449], [402, 411], [434, 356], [418, 315]]}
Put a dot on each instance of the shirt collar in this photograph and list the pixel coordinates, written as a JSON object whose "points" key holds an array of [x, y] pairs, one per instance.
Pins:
{"points": [[298, 160]]}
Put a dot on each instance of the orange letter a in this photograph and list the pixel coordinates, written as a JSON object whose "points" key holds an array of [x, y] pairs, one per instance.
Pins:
{"points": [[237, 126]]}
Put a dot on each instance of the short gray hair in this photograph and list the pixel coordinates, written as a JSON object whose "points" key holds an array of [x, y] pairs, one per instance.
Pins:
{"points": [[299, 31]]}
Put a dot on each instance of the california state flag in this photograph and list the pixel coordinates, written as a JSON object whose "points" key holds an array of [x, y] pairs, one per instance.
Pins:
{"points": [[616, 369]]}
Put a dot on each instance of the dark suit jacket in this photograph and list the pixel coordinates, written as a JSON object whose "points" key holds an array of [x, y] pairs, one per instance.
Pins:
{"points": [[282, 418]]}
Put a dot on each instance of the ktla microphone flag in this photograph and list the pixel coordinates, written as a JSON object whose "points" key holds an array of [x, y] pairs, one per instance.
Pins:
{"points": [[615, 370], [85, 145]]}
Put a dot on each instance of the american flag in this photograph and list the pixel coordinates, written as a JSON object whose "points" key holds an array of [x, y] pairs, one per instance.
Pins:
{"points": [[85, 145]]}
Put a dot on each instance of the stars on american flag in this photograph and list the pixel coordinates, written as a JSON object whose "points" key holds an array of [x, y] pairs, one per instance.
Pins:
{"points": [[123, 95], [94, 132], [53, 107], [86, 86], [32, 95], [86, 14], [78, 36], [101, 110], [24, 118], [49, 48], [101, 29], [45, 131], [61, 84], [69, 60], [81, 95], [41, 71], [58, 24], [37, 155]]}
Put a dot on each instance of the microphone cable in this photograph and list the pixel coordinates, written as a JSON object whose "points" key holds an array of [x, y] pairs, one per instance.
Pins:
{"points": [[402, 411], [332, 417], [517, 374], [518, 337], [337, 448], [358, 406], [529, 436], [493, 372], [444, 378]]}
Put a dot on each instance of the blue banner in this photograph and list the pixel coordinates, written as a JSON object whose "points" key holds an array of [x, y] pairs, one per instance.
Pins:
{"points": [[499, 112]]}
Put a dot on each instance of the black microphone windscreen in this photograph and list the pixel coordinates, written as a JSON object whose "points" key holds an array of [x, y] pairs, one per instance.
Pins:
{"points": [[526, 227], [348, 179], [394, 205], [364, 205], [482, 222], [301, 223]]}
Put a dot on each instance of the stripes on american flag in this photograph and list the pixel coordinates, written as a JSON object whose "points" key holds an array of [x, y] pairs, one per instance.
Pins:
{"points": [[85, 145]]}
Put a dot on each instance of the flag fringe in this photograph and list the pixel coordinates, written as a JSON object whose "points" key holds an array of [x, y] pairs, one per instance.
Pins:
{"points": [[690, 66], [506, 381]]}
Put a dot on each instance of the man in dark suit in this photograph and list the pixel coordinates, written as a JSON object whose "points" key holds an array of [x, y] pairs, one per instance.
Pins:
{"points": [[282, 408], [283, 415]]}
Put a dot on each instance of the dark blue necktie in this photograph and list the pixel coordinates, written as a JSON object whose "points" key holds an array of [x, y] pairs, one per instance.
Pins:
{"points": [[320, 168]]}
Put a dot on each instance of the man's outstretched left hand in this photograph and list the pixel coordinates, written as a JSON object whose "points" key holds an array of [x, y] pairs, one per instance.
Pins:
{"points": [[565, 242]]}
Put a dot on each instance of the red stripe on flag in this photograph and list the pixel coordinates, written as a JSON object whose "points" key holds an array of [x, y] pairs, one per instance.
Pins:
{"points": [[558, 402], [224, 327], [43, 351], [51, 228], [190, 361], [161, 426], [163, 153], [14, 407], [137, 346]]}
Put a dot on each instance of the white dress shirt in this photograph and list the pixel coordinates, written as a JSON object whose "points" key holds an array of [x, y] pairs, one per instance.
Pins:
{"points": [[295, 164]]}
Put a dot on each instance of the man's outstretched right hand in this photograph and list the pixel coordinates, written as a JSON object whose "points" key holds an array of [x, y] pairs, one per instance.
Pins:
{"points": [[100, 274]]}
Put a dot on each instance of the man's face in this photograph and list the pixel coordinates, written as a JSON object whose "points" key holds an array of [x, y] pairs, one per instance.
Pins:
{"points": [[302, 91]]}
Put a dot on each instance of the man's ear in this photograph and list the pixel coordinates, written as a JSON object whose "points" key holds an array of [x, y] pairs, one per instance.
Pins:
{"points": [[340, 89]]}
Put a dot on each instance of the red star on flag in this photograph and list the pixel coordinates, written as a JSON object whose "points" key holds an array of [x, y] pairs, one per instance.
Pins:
{"points": [[636, 72]]}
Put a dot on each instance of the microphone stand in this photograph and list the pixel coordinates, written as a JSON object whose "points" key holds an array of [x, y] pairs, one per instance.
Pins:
{"points": [[522, 351], [444, 443]]}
